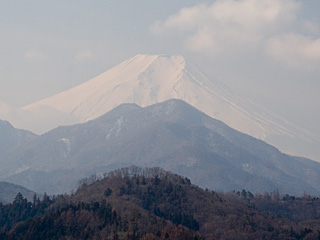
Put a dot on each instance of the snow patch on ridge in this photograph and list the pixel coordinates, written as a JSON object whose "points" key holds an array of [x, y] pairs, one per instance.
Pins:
{"points": [[67, 143], [115, 130]]}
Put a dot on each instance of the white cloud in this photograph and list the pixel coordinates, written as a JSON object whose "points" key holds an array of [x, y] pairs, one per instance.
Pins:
{"points": [[295, 50], [311, 27], [85, 56], [33, 54], [245, 26], [246, 14]]}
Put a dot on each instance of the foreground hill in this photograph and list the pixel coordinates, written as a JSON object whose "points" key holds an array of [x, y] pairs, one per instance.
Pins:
{"points": [[152, 204], [172, 135]]}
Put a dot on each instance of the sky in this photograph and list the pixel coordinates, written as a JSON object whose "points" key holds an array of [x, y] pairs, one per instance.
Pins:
{"points": [[267, 51]]}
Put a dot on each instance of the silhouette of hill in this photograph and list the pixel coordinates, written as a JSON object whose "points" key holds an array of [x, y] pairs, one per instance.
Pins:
{"points": [[150, 203]]}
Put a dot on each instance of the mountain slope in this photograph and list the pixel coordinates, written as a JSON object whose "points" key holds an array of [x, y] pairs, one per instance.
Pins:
{"points": [[172, 135], [8, 191], [148, 79], [11, 138]]}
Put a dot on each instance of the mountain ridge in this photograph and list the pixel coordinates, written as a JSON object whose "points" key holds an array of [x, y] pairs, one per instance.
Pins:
{"points": [[12, 138], [143, 69], [8, 191], [172, 135], [148, 79], [154, 204]]}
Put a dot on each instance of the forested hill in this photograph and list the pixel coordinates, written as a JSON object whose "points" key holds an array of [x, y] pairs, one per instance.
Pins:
{"points": [[146, 204]]}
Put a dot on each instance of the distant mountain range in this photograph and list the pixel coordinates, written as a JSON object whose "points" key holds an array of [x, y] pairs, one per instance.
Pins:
{"points": [[172, 135], [149, 79]]}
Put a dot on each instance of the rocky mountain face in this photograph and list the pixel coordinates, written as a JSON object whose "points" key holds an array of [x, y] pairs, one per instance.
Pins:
{"points": [[172, 135]]}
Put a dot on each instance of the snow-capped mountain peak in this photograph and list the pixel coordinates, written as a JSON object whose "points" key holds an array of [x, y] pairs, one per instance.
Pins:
{"points": [[149, 79], [143, 79]]}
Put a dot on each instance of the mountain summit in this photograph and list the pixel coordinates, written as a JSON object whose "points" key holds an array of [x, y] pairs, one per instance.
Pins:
{"points": [[148, 79], [172, 135]]}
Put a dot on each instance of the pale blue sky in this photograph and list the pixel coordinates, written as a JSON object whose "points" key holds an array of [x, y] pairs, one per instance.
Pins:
{"points": [[272, 58]]}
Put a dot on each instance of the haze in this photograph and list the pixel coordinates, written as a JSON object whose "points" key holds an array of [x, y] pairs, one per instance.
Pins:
{"points": [[265, 50]]}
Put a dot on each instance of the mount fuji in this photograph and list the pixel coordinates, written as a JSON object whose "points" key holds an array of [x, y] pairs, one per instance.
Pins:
{"points": [[149, 79]]}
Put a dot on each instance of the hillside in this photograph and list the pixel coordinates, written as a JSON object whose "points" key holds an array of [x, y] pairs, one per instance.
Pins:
{"points": [[8, 191], [11, 137], [153, 204], [172, 135]]}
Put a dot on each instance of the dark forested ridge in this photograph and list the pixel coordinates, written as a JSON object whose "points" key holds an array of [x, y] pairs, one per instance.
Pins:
{"points": [[146, 204]]}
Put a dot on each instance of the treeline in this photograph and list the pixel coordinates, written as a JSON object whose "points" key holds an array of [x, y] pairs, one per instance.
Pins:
{"points": [[60, 218], [147, 204]]}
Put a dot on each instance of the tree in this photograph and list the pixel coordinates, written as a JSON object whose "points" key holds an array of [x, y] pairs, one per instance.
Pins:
{"points": [[18, 198]]}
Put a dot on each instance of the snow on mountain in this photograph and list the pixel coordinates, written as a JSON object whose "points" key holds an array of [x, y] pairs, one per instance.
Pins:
{"points": [[149, 79]]}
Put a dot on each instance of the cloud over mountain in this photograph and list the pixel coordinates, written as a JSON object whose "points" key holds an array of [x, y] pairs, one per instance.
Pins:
{"points": [[263, 26]]}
